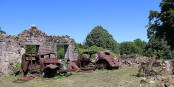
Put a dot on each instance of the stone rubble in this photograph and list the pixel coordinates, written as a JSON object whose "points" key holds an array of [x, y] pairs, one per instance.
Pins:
{"points": [[131, 60]]}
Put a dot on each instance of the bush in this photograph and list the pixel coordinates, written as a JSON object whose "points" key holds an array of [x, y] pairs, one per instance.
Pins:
{"points": [[81, 50], [96, 48], [102, 49], [149, 53], [16, 67], [129, 48]]}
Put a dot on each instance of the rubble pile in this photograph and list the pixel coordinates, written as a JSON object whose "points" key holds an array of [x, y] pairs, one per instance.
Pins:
{"points": [[131, 60]]}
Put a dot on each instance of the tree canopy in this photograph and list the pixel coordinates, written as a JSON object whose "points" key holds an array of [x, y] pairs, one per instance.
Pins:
{"points": [[162, 23], [100, 37], [140, 43]]}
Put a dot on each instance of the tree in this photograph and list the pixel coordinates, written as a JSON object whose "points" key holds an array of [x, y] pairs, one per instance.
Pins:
{"points": [[100, 37], [2, 32], [129, 48], [159, 46], [140, 43], [162, 23], [80, 45]]}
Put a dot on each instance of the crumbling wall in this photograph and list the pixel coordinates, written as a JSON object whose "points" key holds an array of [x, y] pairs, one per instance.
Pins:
{"points": [[12, 47], [10, 51], [46, 43]]}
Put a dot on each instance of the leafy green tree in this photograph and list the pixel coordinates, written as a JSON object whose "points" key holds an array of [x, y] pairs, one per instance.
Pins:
{"points": [[100, 37], [2, 32], [129, 48], [160, 46], [162, 23], [140, 43]]}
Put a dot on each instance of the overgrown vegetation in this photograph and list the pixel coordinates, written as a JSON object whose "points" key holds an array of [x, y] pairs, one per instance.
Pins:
{"points": [[16, 68], [61, 75], [80, 49], [60, 52], [158, 46], [30, 48]]}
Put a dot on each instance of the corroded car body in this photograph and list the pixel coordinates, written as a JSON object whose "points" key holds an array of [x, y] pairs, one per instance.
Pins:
{"points": [[102, 59], [39, 62]]}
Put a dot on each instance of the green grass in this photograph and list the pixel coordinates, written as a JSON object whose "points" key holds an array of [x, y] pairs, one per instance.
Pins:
{"points": [[99, 78]]}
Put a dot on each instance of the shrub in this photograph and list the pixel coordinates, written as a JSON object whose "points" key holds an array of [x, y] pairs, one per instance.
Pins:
{"points": [[129, 48], [96, 48], [16, 68]]}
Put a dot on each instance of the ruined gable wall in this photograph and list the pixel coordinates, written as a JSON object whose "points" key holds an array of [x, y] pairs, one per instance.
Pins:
{"points": [[12, 47], [47, 43]]}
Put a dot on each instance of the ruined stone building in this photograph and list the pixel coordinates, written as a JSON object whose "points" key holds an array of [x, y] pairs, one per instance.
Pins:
{"points": [[12, 47]]}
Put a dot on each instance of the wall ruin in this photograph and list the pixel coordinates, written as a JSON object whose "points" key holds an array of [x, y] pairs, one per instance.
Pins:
{"points": [[12, 47]]}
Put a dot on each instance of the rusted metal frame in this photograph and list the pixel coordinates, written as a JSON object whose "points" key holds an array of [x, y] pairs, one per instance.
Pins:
{"points": [[31, 64], [79, 61]]}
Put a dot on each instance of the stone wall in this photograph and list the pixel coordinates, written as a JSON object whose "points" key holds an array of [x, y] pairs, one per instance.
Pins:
{"points": [[12, 47], [10, 51]]}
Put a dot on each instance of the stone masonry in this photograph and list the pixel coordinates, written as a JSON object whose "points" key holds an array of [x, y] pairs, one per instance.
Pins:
{"points": [[12, 47]]}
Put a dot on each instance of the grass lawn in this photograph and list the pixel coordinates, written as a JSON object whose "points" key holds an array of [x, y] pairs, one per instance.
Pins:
{"points": [[99, 78]]}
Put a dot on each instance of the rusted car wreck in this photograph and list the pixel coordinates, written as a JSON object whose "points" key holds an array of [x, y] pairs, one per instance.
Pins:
{"points": [[39, 62], [46, 63], [97, 60]]}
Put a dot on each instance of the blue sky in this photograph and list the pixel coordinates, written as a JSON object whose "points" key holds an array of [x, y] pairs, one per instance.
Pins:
{"points": [[124, 19]]}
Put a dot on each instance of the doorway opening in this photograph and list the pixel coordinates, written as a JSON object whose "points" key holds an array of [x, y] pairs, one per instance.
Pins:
{"points": [[60, 51]]}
